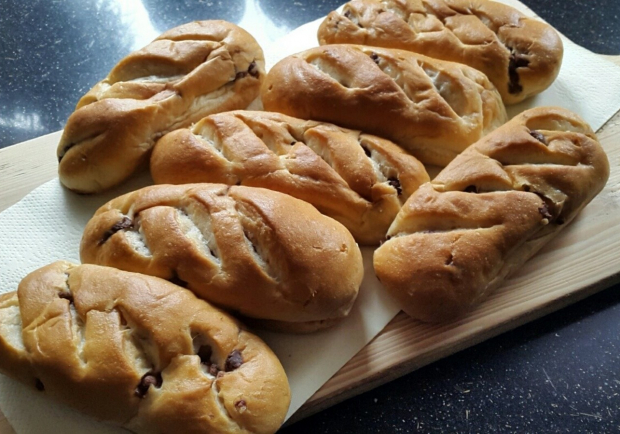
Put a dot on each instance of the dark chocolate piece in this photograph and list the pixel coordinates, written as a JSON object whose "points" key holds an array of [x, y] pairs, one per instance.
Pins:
{"points": [[125, 223], [252, 70], [66, 295], [539, 136], [205, 353], [241, 405], [395, 182], [149, 379], [233, 361], [516, 61]]}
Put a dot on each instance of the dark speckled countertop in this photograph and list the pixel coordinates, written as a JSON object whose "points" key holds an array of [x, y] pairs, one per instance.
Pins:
{"points": [[559, 374]]}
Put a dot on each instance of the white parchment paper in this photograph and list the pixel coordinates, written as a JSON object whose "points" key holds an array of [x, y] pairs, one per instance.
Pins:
{"points": [[47, 225]]}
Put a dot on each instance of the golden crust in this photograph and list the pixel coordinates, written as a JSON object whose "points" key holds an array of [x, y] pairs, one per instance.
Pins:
{"points": [[185, 74], [433, 109], [459, 236], [520, 55], [257, 252], [93, 337], [358, 179]]}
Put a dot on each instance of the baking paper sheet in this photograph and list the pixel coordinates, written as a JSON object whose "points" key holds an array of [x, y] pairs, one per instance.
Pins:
{"points": [[47, 225]]}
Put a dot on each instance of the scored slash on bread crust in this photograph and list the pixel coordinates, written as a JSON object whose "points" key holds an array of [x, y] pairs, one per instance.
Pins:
{"points": [[187, 73], [433, 109], [260, 253], [139, 352], [358, 179], [520, 55], [458, 237]]}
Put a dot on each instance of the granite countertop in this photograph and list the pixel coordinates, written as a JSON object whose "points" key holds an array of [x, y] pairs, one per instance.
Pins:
{"points": [[556, 374]]}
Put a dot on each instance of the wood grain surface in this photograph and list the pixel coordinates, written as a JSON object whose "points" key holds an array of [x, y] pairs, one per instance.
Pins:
{"points": [[580, 262]]}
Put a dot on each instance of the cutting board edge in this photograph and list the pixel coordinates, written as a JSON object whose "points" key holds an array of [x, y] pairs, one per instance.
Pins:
{"points": [[378, 378]]}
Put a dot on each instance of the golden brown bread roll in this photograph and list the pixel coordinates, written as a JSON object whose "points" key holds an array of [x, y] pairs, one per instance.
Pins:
{"points": [[257, 252], [358, 179], [433, 109], [458, 237], [520, 55], [139, 352], [185, 74]]}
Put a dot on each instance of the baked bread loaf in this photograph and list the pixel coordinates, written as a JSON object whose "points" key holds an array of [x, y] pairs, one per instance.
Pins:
{"points": [[458, 237], [182, 76], [358, 179], [520, 55], [431, 108], [139, 352], [259, 253]]}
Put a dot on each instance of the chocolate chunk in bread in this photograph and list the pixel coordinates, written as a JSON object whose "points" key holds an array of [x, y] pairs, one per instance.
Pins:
{"points": [[149, 379], [124, 223]]}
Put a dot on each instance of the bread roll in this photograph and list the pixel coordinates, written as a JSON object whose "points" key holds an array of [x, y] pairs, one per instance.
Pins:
{"points": [[520, 55], [458, 237], [358, 179], [185, 74], [257, 252], [139, 352], [431, 108]]}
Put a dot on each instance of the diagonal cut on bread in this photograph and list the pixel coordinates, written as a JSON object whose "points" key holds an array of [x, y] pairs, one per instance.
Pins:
{"points": [[256, 252], [185, 74], [431, 108], [520, 55], [458, 237], [358, 179], [139, 352]]}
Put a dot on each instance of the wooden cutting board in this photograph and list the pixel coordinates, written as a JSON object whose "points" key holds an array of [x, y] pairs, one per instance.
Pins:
{"points": [[589, 263]]}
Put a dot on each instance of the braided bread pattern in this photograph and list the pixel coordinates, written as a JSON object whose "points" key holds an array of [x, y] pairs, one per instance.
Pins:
{"points": [[257, 252], [432, 108], [520, 55], [185, 74], [139, 352], [459, 236], [358, 179]]}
